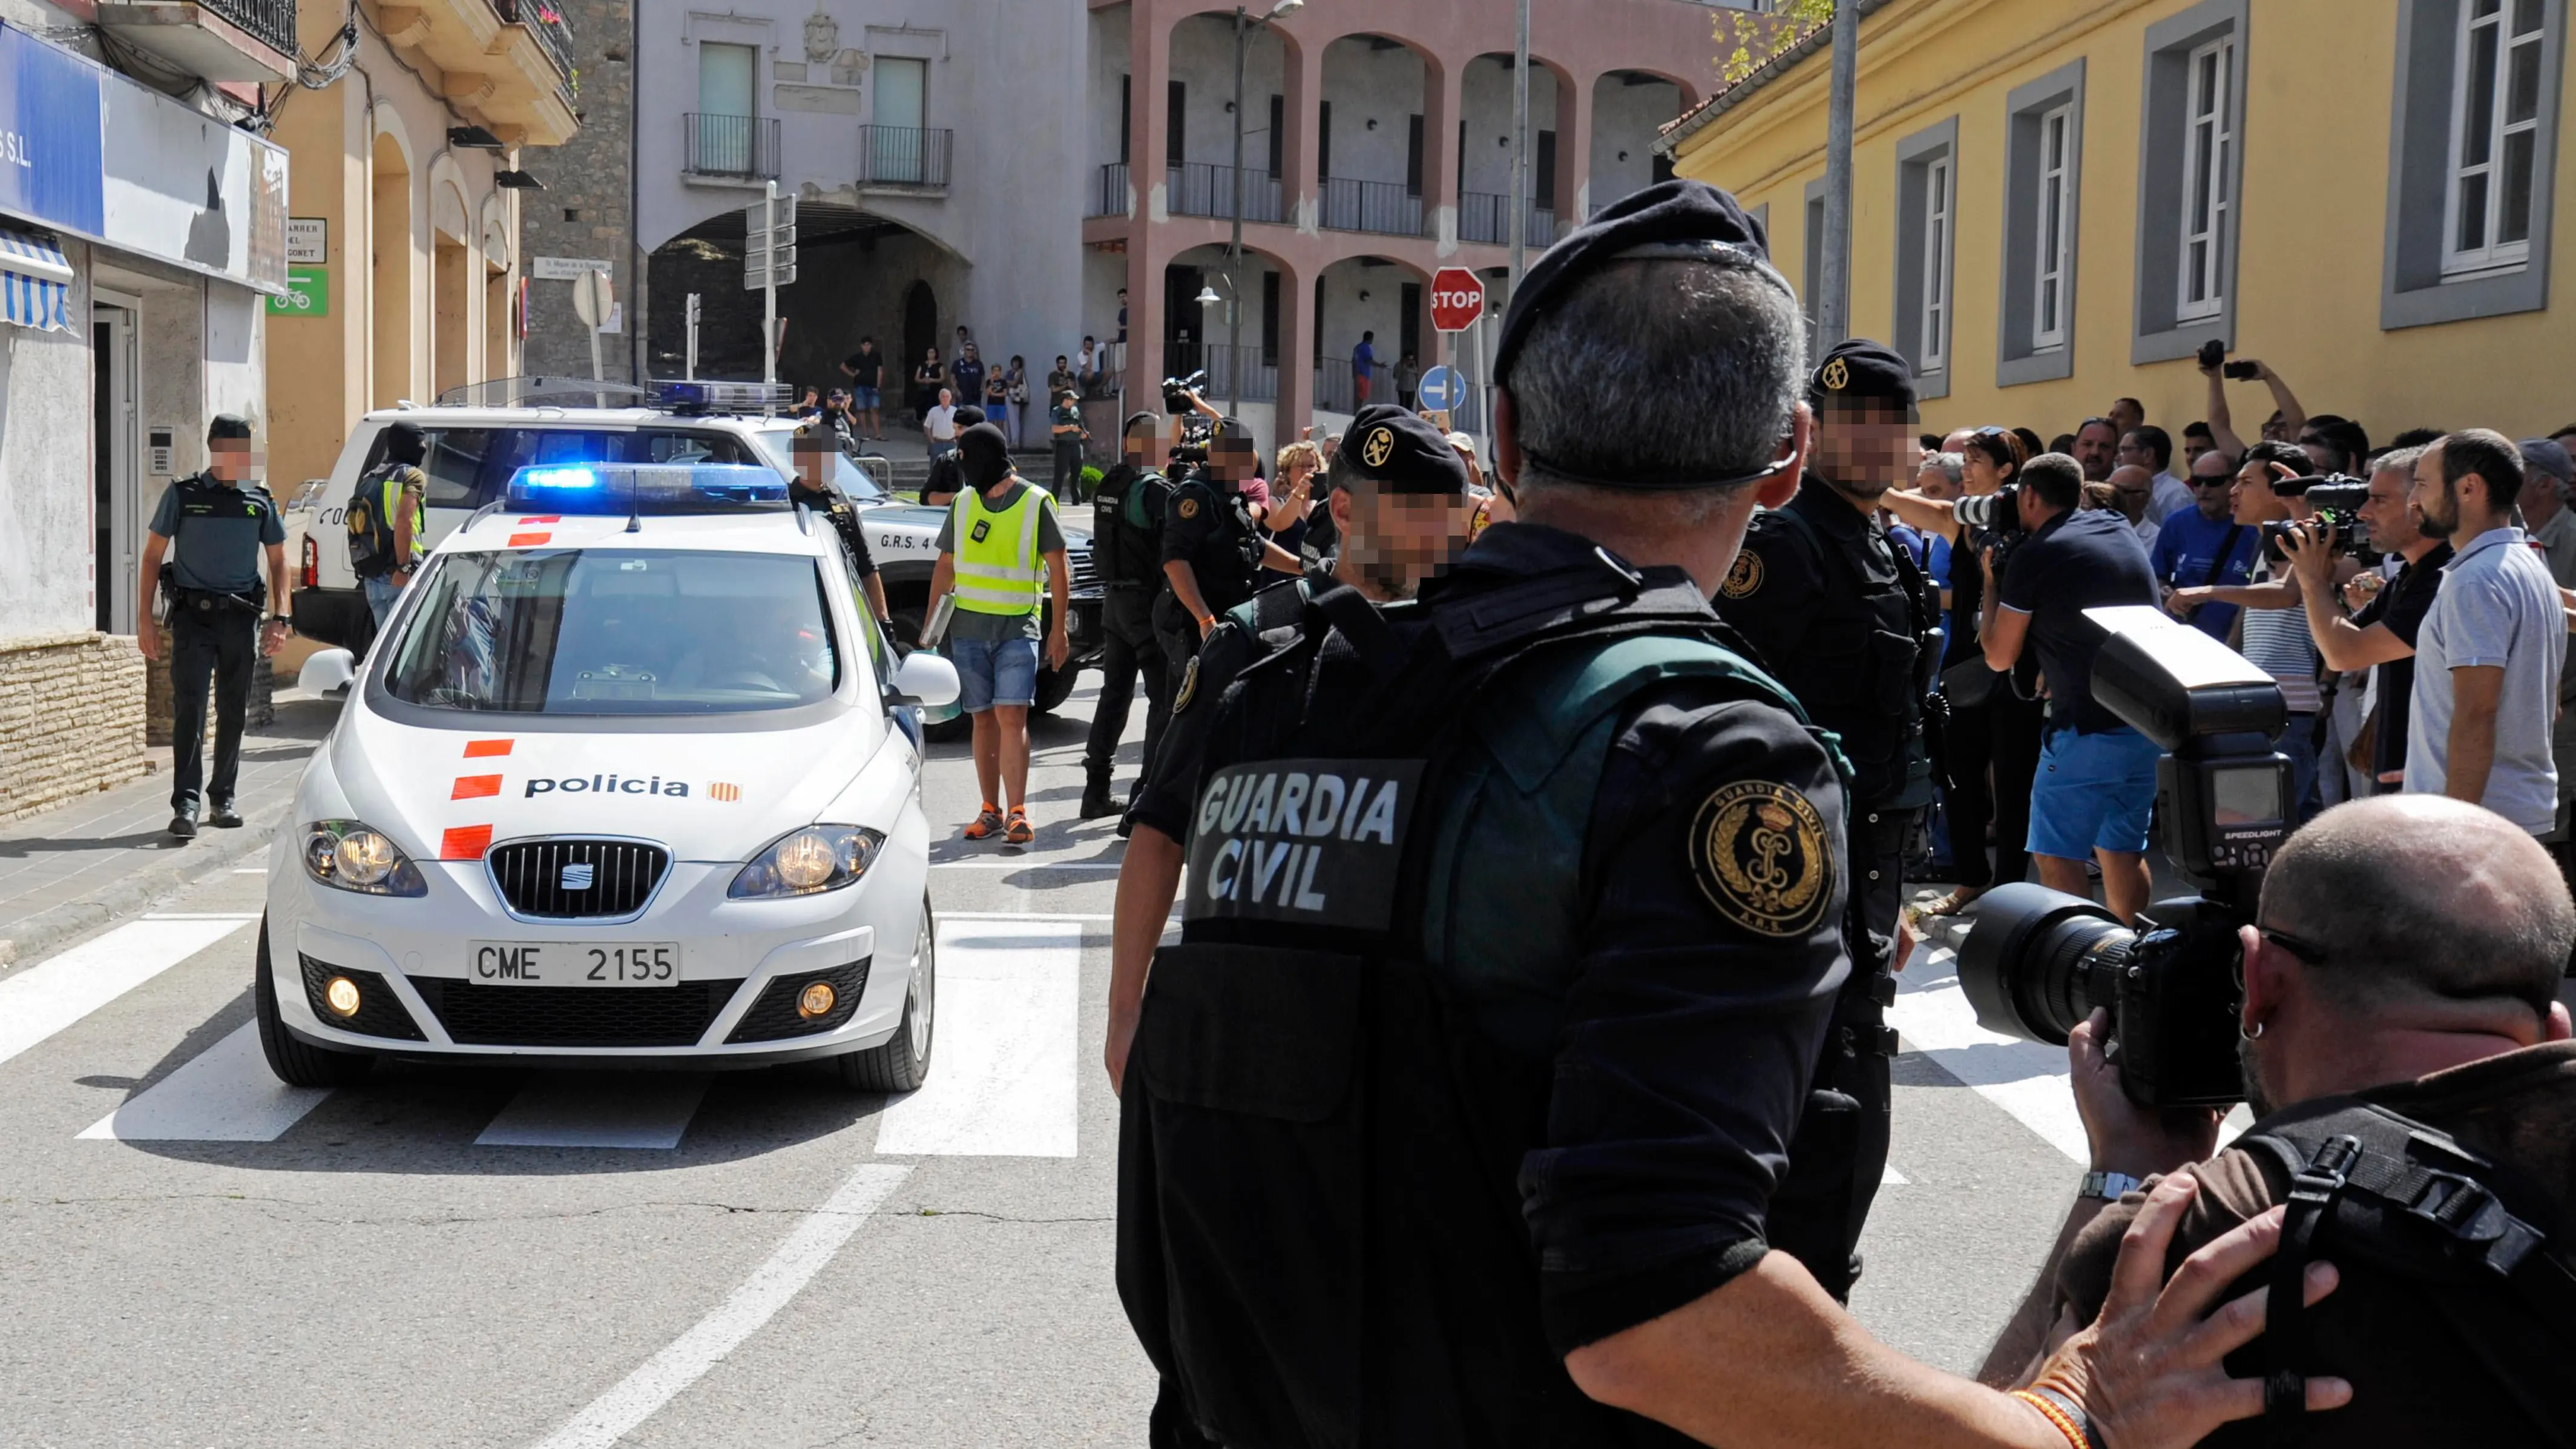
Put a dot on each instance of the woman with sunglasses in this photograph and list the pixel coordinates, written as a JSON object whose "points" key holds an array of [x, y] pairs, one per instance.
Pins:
{"points": [[1990, 748]]}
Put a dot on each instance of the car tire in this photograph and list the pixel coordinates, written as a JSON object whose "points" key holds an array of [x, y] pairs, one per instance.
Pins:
{"points": [[1055, 686], [902, 1064], [296, 1062]]}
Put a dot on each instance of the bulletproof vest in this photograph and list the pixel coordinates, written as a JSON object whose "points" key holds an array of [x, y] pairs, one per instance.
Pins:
{"points": [[2376, 1192], [1127, 528], [1340, 1066], [1869, 661]]}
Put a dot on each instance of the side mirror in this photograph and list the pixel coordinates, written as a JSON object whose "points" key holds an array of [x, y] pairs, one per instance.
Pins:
{"points": [[332, 669], [922, 678]]}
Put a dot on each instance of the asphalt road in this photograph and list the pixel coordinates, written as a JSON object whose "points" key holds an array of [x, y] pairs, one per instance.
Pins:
{"points": [[193, 1256]]}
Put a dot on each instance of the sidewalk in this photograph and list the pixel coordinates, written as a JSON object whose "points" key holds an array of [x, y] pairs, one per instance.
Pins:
{"points": [[75, 868]]}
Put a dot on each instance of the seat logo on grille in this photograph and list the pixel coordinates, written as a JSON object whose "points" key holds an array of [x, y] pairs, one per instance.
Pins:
{"points": [[577, 877]]}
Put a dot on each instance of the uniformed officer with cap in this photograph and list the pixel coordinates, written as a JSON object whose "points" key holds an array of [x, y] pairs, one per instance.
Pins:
{"points": [[1512, 930], [815, 446], [1212, 554], [1398, 494], [1841, 615], [213, 525]]}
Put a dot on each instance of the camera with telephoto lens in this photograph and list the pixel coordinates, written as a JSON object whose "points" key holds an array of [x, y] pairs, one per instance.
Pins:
{"points": [[2036, 962], [1996, 512], [2337, 500]]}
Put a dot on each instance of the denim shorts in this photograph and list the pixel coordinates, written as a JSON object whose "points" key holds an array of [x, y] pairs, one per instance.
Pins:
{"points": [[994, 671], [863, 397], [2094, 792]]}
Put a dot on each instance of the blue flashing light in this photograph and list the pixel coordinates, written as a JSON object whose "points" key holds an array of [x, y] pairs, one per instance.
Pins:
{"points": [[662, 489]]}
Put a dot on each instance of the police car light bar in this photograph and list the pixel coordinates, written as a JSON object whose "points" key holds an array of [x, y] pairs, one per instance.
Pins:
{"points": [[657, 489], [721, 397]]}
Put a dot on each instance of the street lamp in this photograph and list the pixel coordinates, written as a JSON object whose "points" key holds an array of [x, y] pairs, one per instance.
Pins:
{"points": [[1245, 22]]}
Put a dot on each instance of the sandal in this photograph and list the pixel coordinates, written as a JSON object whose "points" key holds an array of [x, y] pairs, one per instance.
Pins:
{"points": [[1019, 833], [1959, 899], [987, 821]]}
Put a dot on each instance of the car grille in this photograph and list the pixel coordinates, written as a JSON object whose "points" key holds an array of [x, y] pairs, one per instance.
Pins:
{"points": [[380, 1012], [1086, 579], [774, 1014], [623, 873], [575, 1016]]}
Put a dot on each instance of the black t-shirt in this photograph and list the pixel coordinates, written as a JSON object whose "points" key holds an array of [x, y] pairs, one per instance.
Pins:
{"points": [[2081, 559], [2401, 606], [1201, 528], [865, 368]]}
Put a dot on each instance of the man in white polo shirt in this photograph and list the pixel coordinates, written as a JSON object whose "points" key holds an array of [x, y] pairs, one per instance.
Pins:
{"points": [[2488, 660]]}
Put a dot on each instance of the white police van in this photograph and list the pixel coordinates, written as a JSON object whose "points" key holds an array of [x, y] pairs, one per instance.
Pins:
{"points": [[480, 437], [632, 777]]}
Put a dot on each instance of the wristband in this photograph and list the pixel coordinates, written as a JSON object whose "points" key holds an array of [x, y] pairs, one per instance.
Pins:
{"points": [[2062, 1413], [2108, 1186]]}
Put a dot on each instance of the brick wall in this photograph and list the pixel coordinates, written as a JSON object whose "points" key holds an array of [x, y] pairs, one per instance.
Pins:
{"points": [[157, 700], [583, 210], [71, 718]]}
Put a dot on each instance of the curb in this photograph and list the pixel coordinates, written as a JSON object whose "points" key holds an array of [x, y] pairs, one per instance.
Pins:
{"points": [[39, 934]]}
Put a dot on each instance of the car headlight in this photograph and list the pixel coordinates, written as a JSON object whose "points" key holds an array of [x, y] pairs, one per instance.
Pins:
{"points": [[350, 855], [802, 862]]}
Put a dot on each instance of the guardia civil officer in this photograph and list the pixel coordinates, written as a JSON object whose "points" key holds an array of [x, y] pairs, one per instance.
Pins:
{"points": [[1841, 616], [1512, 933], [814, 447], [1127, 512], [213, 525], [1212, 553]]}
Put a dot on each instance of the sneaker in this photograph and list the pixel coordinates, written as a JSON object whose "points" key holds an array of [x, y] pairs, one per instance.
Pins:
{"points": [[988, 821], [224, 817], [1019, 833]]}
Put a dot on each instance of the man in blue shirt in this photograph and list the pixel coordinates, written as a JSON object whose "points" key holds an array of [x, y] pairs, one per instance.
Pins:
{"points": [[2097, 777], [2205, 545], [1363, 363]]}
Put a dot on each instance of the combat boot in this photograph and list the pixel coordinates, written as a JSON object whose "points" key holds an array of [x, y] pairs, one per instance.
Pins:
{"points": [[1095, 796]]}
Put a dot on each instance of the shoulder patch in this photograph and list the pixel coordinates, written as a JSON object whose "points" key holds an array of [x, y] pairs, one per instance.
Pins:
{"points": [[1744, 578], [1189, 689], [1189, 508], [1760, 854]]}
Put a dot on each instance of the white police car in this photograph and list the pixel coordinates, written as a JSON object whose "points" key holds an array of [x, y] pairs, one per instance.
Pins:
{"points": [[632, 777]]}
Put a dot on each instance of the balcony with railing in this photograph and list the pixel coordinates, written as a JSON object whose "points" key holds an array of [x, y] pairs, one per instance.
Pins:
{"points": [[1228, 369], [545, 24], [1109, 194], [221, 40], [730, 148], [904, 158], [1199, 188], [1485, 217], [1385, 207]]}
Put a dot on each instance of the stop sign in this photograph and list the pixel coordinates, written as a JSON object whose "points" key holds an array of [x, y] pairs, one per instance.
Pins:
{"points": [[1457, 299]]}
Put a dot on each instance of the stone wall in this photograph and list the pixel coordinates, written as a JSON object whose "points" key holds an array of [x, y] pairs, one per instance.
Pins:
{"points": [[583, 211], [157, 702], [71, 718]]}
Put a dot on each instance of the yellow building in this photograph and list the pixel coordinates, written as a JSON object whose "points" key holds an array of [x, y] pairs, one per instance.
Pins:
{"points": [[2047, 198], [396, 185]]}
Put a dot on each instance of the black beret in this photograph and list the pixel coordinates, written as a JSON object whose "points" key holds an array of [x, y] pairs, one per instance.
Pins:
{"points": [[968, 415], [1400, 451], [984, 454], [1860, 368], [228, 425], [1666, 213]]}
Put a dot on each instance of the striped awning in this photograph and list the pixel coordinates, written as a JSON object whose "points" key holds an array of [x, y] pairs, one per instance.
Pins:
{"points": [[35, 282]]}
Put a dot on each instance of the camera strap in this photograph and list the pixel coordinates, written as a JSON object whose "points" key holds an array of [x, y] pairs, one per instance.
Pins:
{"points": [[2226, 550]]}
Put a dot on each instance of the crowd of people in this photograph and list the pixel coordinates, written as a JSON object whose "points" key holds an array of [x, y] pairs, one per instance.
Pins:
{"points": [[2418, 636]]}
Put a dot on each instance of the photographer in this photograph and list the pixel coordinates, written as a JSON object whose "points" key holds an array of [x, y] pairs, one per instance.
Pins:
{"points": [[2215, 366], [2405, 954], [2096, 788], [2380, 635]]}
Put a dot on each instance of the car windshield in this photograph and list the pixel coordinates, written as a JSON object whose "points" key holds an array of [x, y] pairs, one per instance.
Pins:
{"points": [[852, 480], [617, 631]]}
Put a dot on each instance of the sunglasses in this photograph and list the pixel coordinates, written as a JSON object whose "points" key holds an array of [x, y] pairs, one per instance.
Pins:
{"points": [[2307, 951]]}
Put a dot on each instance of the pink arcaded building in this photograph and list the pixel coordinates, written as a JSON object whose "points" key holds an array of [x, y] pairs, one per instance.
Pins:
{"points": [[1376, 149]]}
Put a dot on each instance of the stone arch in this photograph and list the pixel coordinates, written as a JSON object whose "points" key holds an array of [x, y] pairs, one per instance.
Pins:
{"points": [[390, 270]]}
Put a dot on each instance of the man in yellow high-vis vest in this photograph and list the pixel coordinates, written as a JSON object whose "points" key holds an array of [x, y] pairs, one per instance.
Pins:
{"points": [[998, 533]]}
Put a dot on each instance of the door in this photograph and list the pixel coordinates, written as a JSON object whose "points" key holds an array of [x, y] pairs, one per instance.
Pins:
{"points": [[725, 87], [1184, 330], [115, 510], [1408, 326], [902, 108]]}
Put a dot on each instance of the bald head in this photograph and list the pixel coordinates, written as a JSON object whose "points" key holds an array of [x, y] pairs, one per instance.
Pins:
{"points": [[2133, 488], [2417, 896]]}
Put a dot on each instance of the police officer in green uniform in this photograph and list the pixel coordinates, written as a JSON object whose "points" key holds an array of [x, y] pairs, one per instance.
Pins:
{"points": [[1127, 512], [1212, 553], [1841, 615], [213, 526], [1513, 925], [814, 447]]}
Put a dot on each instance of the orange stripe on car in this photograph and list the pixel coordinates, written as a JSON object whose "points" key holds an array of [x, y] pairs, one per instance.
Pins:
{"points": [[528, 540], [543, 518], [480, 749], [465, 842], [475, 787]]}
